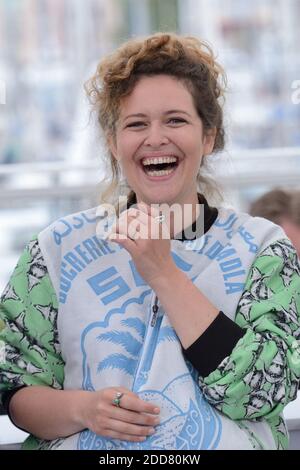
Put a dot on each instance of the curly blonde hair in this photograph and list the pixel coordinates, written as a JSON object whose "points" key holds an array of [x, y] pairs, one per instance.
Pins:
{"points": [[185, 58]]}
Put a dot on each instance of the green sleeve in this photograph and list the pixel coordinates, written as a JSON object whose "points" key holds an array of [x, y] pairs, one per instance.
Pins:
{"points": [[262, 373], [29, 346]]}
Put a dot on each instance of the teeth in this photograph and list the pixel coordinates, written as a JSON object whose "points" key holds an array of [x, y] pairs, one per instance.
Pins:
{"points": [[157, 160], [159, 172]]}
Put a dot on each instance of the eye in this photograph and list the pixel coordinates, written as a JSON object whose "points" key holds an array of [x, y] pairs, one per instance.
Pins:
{"points": [[136, 124], [176, 120]]}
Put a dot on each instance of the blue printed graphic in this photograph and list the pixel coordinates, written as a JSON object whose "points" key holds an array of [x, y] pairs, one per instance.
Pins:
{"points": [[128, 342], [65, 227], [125, 345], [111, 337], [196, 427], [228, 227]]}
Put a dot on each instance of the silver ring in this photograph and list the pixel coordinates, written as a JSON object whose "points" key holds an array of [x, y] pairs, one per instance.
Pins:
{"points": [[117, 400], [160, 218]]}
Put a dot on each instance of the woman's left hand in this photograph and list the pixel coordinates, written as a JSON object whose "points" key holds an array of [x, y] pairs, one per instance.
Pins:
{"points": [[147, 240]]}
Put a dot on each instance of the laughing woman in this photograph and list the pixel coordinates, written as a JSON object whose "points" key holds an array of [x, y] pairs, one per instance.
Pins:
{"points": [[186, 338]]}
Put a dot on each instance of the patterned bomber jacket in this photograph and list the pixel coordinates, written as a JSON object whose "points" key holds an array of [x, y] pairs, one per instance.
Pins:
{"points": [[76, 314]]}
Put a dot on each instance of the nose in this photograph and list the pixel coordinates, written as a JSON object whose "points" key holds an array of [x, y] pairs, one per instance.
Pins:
{"points": [[156, 136]]}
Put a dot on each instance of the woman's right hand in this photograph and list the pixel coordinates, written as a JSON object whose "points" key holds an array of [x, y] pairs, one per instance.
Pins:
{"points": [[133, 420]]}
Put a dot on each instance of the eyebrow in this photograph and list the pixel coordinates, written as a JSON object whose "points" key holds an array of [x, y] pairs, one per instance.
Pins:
{"points": [[171, 111]]}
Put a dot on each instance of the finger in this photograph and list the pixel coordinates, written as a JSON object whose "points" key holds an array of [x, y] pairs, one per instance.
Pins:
{"points": [[138, 214], [134, 228], [127, 216], [160, 228], [143, 226], [127, 226], [124, 241], [152, 210], [131, 401], [134, 403], [128, 428], [133, 417], [123, 437]]}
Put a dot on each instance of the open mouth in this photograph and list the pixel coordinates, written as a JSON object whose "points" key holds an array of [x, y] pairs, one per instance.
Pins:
{"points": [[161, 166]]}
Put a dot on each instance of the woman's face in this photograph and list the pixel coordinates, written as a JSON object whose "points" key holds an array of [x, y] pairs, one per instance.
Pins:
{"points": [[159, 141]]}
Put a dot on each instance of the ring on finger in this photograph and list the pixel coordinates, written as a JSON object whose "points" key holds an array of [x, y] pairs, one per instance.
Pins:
{"points": [[159, 218], [117, 400]]}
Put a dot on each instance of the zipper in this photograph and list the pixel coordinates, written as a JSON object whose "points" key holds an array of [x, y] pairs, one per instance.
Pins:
{"points": [[154, 310], [149, 344]]}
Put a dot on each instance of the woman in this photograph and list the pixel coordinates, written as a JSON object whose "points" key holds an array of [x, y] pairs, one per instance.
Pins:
{"points": [[185, 339]]}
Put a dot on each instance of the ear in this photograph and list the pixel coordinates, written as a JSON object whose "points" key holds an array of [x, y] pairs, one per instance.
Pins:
{"points": [[209, 140]]}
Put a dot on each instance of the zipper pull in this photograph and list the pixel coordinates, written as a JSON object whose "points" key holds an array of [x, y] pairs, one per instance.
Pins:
{"points": [[154, 310]]}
